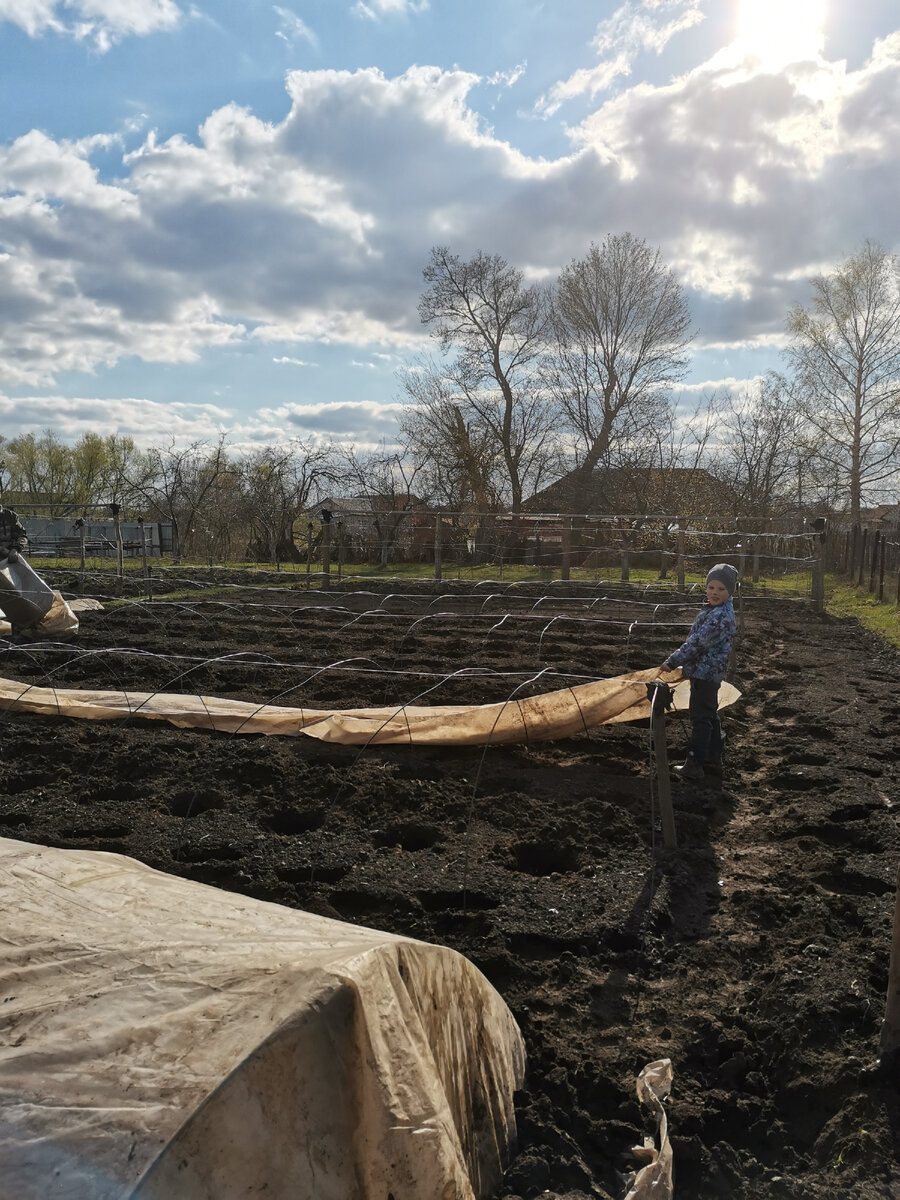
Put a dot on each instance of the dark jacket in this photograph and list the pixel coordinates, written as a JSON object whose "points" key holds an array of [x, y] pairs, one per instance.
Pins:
{"points": [[12, 534]]}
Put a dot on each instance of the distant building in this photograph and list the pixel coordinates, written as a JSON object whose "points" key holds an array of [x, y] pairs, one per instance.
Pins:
{"points": [[688, 492], [60, 537], [371, 525]]}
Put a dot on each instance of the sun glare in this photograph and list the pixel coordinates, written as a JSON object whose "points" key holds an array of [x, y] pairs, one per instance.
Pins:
{"points": [[778, 32]]}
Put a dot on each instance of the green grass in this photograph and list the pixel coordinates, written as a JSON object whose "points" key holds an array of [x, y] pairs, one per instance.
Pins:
{"points": [[846, 600]]}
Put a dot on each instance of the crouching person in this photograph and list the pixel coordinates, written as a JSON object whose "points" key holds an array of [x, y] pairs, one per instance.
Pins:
{"points": [[704, 660], [32, 609]]}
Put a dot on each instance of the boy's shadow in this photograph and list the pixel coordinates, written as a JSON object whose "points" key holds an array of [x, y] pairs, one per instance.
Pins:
{"points": [[682, 890]]}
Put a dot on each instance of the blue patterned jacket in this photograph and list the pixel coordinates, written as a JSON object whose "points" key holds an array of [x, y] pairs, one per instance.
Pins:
{"points": [[705, 653]]}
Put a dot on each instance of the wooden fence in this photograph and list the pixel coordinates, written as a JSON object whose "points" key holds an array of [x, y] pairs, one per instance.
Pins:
{"points": [[868, 557]]}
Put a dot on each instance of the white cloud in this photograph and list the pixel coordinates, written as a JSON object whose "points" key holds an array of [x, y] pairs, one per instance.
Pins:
{"points": [[293, 29], [507, 78], [294, 362], [103, 22], [363, 423], [729, 384], [150, 423], [375, 9], [316, 228], [635, 27]]}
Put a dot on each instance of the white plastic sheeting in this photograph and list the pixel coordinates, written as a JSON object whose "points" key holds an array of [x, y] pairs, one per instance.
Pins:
{"points": [[655, 1180], [165, 1039], [31, 605], [557, 714]]}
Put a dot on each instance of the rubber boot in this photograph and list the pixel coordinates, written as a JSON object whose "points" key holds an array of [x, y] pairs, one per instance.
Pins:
{"points": [[716, 758], [689, 771]]}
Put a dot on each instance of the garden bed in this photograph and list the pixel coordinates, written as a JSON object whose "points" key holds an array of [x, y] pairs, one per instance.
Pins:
{"points": [[755, 957]]}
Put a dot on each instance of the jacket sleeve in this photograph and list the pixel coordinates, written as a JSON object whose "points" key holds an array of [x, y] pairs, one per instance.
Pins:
{"points": [[705, 632]]}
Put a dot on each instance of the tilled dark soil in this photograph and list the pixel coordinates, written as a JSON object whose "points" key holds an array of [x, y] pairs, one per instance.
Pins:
{"points": [[755, 956]]}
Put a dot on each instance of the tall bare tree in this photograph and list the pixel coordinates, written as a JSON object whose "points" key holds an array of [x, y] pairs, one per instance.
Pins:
{"points": [[176, 482], [481, 310], [845, 353], [278, 484], [763, 451], [383, 481], [461, 462], [622, 329]]}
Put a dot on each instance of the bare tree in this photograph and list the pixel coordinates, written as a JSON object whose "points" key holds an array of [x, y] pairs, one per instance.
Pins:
{"points": [[622, 329], [845, 353], [105, 469], [482, 310], [763, 453], [461, 462], [278, 484], [383, 482], [177, 483], [659, 469]]}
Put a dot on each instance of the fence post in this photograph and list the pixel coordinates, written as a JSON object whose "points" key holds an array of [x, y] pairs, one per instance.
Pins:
{"points": [[144, 558], [566, 546], [679, 564], [875, 544], [326, 553], [340, 549], [309, 537], [438, 533], [663, 554], [81, 526], [120, 549], [881, 572], [818, 588], [626, 555], [819, 525], [862, 557]]}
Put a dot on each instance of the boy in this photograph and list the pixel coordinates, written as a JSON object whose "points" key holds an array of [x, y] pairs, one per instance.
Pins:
{"points": [[704, 660]]}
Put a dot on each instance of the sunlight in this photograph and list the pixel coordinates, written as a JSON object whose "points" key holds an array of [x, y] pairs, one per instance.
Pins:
{"points": [[778, 32]]}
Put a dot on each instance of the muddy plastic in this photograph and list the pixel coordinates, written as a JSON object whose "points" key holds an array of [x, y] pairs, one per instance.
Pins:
{"points": [[24, 597]]}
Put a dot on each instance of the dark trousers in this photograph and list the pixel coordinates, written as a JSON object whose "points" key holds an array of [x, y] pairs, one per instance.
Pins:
{"points": [[706, 732]]}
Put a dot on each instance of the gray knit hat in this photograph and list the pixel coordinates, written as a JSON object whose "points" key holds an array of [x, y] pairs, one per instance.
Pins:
{"points": [[725, 573]]}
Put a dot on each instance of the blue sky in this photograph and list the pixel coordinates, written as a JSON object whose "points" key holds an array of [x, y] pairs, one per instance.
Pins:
{"points": [[214, 217]]}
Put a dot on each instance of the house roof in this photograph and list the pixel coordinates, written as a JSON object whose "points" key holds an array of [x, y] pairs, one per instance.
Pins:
{"points": [[681, 491]]}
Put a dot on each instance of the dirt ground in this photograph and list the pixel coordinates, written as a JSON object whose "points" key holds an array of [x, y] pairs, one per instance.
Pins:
{"points": [[755, 956]]}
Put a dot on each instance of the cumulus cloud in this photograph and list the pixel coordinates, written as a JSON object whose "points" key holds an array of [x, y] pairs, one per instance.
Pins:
{"points": [[102, 22], [294, 362], [363, 423], [315, 228], [150, 423], [634, 28]]}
